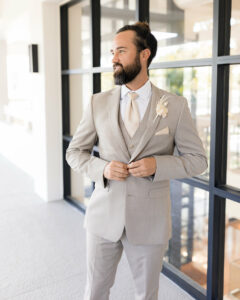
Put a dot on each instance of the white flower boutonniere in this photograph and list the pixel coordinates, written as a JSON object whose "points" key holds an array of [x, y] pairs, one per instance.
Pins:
{"points": [[161, 108]]}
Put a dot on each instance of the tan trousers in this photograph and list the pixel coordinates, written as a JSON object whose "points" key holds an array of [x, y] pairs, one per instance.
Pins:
{"points": [[103, 256]]}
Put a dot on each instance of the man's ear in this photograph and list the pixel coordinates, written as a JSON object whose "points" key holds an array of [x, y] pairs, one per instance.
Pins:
{"points": [[145, 54]]}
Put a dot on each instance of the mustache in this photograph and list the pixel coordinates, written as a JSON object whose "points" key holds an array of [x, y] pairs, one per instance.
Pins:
{"points": [[117, 64]]}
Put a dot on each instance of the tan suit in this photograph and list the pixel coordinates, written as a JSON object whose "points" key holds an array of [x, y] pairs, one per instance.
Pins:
{"points": [[142, 205], [135, 214]]}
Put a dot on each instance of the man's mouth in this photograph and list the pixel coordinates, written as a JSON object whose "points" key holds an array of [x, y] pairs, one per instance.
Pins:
{"points": [[117, 67]]}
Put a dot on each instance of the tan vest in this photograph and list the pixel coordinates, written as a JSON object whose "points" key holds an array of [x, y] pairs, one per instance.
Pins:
{"points": [[131, 143]]}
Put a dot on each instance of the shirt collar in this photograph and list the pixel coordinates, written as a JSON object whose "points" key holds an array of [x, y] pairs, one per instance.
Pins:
{"points": [[143, 92]]}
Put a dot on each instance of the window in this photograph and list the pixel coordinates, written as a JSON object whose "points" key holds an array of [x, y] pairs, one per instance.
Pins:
{"points": [[198, 57], [195, 85], [233, 163], [232, 251], [183, 29], [189, 244]]}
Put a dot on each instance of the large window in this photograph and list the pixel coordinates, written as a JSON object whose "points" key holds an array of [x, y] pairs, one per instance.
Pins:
{"points": [[114, 15], [233, 170], [232, 251], [195, 85], [183, 29], [188, 246], [235, 28], [198, 57], [79, 35]]}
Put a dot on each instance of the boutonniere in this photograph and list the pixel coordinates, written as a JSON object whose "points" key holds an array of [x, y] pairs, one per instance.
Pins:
{"points": [[161, 108]]}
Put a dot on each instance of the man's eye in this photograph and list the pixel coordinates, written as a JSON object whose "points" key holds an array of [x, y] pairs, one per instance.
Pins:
{"points": [[119, 51]]}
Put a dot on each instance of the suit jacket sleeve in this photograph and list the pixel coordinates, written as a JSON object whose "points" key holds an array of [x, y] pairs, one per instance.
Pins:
{"points": [[192, 160], [78, 154]]}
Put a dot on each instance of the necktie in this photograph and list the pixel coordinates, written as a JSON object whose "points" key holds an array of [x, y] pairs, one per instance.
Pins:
{"points": [[132, 117]]}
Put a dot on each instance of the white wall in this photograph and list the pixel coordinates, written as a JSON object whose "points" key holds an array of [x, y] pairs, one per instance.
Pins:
{"points": [[38, 151], [52, 71]]}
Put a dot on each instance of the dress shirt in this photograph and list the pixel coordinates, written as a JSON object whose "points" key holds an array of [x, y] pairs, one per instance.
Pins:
{"points": [[144, 95]]}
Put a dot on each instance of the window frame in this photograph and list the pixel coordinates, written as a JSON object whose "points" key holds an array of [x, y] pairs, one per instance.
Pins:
{"points": [[216, 186]]}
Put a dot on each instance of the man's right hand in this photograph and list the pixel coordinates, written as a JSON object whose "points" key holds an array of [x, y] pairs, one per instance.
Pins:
{"points": [[116, 170]]}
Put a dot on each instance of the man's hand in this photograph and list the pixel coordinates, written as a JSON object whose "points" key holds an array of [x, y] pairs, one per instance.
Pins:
{"points": [[143, 167], [116, 170]]}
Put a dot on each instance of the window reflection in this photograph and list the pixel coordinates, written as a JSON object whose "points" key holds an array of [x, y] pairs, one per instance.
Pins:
{"points": [[233, 162], [115, 14], [188, 246], [235, 28], [81, 187], [195, 85], [232, 251], [183, 29], [79, 35], [80, 93]]}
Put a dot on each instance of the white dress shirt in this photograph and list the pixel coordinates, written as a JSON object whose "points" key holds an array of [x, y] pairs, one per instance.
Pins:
{"points": [[144, 95]]}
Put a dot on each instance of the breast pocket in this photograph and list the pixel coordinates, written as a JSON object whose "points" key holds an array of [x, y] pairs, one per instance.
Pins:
{"points": [[160, 144], [163, 131]]}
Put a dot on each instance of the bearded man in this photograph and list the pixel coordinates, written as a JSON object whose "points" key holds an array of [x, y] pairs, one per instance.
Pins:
{"points": [[137, 126]]}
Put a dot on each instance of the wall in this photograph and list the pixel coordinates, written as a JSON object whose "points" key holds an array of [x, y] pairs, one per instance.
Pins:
{"points": [[34, 145]]}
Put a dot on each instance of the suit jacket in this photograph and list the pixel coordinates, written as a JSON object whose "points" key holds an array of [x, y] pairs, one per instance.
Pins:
{"points": [[142, 205]]}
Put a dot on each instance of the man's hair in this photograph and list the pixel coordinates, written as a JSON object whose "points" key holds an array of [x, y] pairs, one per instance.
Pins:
{"points": [[144, 38]]}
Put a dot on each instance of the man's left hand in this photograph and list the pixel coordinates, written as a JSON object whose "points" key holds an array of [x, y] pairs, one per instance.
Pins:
{"points": [[143, 167]]}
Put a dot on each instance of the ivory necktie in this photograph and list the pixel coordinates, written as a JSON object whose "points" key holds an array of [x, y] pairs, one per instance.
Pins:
{"points": [[132, 117]]}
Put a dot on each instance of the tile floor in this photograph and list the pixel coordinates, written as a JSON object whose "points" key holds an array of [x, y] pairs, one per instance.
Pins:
{"points": [[42, 247]]}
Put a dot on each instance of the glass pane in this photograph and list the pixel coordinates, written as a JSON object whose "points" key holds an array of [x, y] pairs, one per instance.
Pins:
{"points": [[188, 246], [80, 93], [232, 251], [195, 85], [81, 187], [183, 29], [130, 4], [233, 162], [80, 90], [235, 28], [79, 31], [107, 81], [115, 14]]}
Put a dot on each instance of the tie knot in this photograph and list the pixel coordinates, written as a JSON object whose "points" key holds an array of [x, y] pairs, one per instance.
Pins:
{"points": [[132, 95]]}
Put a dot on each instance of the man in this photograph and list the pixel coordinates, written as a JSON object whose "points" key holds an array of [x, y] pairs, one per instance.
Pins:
{"points": [[137, 126]]}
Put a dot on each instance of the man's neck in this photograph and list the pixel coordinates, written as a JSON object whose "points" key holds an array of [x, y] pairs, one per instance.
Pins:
{"points": [[137, 83]]}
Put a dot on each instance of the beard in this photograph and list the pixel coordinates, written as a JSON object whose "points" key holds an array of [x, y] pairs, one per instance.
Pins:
{"points": [[128, 73]]}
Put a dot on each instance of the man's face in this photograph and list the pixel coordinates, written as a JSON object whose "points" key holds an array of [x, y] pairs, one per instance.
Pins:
{"points": [[126, 59]]}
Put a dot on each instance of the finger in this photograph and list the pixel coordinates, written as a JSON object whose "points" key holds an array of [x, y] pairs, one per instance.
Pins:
{"points": [[138, 174], [118, 164], [115, 177], [117, 174], [134, 165], [136, 171], [119, 170]]}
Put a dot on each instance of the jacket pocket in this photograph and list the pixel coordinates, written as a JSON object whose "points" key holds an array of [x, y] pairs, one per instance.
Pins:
{"points": [[159, 191]]}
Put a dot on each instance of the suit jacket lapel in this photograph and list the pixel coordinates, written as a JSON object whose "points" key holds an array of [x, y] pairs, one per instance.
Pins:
{"points": [[152, 122], [113, 113]]}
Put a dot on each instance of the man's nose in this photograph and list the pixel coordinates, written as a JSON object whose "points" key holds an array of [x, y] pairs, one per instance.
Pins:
{"points": [[115, 58]]}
